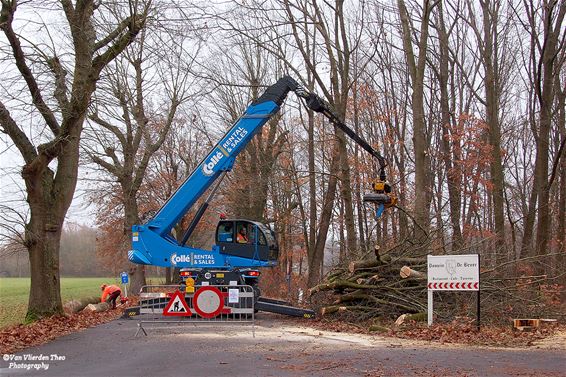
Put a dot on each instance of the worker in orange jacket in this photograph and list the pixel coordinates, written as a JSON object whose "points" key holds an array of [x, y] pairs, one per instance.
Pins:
{"points": [[110, 293]]}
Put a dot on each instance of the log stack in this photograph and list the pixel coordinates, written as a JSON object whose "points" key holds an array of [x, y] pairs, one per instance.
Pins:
{"points": [[382, 286]]}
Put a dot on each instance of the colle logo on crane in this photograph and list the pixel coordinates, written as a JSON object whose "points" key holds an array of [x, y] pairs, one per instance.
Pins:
{"points": [[193, 259], [228, 144], [180, 259], [208, 166]]}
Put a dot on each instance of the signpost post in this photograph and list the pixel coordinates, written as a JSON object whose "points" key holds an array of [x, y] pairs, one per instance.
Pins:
{"points": [[124, 277], [453, 273]]}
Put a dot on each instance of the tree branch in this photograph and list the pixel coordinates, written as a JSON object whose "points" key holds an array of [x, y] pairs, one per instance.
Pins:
{"points": [[19, 138], [6, 18]]}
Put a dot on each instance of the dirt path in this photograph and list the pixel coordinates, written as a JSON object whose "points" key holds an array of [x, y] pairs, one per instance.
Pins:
{"points": [[279, 348]]}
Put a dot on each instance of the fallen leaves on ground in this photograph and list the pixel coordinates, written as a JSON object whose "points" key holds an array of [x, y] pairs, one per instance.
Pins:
{"points": [[456, 332], [412, 371], [17, 337]]}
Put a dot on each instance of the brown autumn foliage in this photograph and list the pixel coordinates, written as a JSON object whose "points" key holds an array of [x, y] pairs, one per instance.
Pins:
{"points": [[18, 337]]}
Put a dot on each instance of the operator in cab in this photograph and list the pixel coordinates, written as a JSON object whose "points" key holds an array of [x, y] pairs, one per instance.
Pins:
{"points": [[242, 236], [109, 294]]}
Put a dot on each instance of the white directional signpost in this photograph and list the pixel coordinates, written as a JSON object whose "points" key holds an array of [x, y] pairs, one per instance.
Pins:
{"points": [[453, 273]]}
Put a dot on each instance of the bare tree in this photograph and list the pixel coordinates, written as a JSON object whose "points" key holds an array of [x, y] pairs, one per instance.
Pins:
{"points": [[491, 55], [247, 69], [130, 122], [416, 64], [60, 98], [545, 49], [449, 154]]}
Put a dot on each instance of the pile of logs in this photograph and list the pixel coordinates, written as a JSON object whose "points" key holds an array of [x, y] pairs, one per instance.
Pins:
{"points": [[383, 286]]}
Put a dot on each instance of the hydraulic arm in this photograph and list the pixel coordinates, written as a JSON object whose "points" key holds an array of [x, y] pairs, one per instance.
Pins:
{"points": [[381, 195], [152, 242]]}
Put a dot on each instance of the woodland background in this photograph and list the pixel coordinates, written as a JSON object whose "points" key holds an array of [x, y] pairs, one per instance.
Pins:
{"points": [[465, 99]]}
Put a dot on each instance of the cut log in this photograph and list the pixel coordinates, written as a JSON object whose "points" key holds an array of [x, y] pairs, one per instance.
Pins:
{"points": [[358, 265], [330, 309], [408, 272], [417, 317], [103, 306], [73, 306], [409, 260], [340, 309], [359, 275], [335, 274]]}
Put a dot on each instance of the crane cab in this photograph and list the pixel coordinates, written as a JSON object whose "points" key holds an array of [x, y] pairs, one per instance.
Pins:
{"points": [[247, 239]]}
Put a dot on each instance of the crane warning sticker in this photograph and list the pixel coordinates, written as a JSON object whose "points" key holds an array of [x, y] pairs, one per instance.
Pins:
{"points": [[177, 306]]}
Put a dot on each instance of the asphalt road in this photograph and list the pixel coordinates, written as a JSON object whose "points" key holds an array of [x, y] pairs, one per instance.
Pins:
{"points": [[279, 348]]}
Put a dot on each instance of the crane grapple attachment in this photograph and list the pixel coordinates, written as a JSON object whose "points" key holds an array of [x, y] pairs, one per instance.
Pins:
{"points": [[381, 196], [377, 198]]}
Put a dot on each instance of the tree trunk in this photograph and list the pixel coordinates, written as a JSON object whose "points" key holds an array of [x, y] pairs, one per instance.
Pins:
{"points": [[416, 68], [452, 175], [168, 279], [49, 194], [43, 239], [363, 242], [346, 194], [316, 258], [546, 93], [561, 228], [311, 244], [492, 91]]}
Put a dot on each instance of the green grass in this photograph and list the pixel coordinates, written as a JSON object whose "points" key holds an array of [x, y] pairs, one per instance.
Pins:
{"points": [[14, 295]]}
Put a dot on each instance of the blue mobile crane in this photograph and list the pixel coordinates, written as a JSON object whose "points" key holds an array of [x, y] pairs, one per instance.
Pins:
{"points": [[230, 260]]}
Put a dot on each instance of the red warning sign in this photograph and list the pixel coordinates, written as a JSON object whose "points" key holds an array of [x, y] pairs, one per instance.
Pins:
{"points": [[177, 306], [208, 302]]}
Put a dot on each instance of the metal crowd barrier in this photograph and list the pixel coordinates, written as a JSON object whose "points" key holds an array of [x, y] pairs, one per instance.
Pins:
{"points": [[202, 304]]}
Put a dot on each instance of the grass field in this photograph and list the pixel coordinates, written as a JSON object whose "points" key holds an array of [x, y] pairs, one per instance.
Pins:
{"points": [[14, 295]]}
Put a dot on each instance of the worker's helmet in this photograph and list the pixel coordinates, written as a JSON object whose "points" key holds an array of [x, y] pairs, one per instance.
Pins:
{"points": [[102, 287]]}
